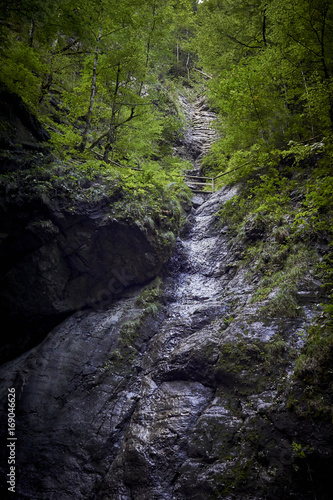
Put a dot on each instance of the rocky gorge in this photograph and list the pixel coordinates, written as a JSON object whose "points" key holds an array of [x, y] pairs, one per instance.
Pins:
{"points": [[176, 386]]}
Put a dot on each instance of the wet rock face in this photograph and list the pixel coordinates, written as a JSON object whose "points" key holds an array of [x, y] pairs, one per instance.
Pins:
{"points": [[187, 402]]}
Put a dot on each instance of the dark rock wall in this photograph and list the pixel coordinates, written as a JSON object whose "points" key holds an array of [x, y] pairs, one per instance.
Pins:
{"points": [[56, 262]]}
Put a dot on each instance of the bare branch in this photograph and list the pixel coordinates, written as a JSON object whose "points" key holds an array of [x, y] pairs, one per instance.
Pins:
{"points": [[233, 39]]}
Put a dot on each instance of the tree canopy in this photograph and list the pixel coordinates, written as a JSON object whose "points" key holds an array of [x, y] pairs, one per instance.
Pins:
{"points": [[96, 73], [92, 71], [271, 63]]}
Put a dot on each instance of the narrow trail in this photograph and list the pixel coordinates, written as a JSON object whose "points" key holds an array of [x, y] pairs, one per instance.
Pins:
{"points": [[199, 137], [200, 134]]}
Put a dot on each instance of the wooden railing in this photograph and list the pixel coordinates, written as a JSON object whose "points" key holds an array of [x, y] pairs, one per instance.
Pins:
{"points": [[207, 182], [197, 184], [210, 182]]}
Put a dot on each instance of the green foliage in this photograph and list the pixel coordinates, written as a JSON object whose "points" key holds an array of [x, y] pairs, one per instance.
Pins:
{"points": [[272, 71], [153, 199], [279, 214], [132, 331], [253, 362], [129, 331], [283, 267], [22, 69], [281, 219], [74, 182], [299, 450], [150, 297], [92, 72]]}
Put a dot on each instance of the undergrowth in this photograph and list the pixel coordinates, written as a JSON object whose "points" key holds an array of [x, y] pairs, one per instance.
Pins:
{"points": [[282, 221], [152, 198]]}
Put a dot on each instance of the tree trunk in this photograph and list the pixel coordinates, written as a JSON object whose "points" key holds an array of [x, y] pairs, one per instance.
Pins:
{"points": [[31, 33], [46, 85], [110, 138], [309, 106], [264, 27], [86, 130], [324, 65]]}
